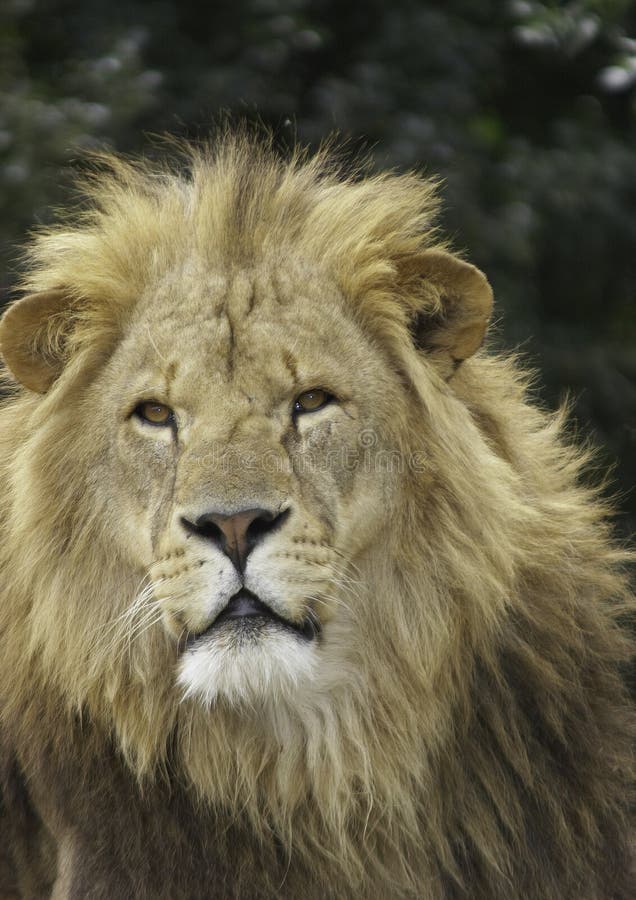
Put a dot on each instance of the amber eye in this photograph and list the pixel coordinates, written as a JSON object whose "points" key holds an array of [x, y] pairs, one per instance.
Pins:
{"points": [[154, 413], [312, 400]]}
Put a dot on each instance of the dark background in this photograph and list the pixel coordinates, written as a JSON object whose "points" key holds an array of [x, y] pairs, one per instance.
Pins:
{"points": [[527, 109]]}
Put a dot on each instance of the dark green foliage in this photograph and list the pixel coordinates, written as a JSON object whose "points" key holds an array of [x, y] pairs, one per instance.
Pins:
{"points": [[527, 108]]}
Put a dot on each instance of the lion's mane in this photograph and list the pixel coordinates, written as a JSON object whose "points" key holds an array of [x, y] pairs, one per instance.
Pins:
{"points": [[491, 760]]}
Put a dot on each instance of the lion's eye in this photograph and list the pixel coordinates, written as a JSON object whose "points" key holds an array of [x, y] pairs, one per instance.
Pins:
{"points": [[312, 400], [154, 413]]}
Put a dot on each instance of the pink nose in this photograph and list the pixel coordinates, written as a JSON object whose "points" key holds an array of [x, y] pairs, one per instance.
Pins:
{"points": [[238, 533]]}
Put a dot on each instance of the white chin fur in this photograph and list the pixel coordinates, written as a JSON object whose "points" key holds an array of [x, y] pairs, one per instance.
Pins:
{"points": [[276, 666]]}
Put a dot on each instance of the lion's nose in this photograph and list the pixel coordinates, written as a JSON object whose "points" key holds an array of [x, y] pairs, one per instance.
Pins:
{"points": [[238, 533]]}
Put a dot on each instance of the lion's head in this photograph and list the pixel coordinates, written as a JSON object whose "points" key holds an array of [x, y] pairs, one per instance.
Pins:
{"points": [[263, 515]]}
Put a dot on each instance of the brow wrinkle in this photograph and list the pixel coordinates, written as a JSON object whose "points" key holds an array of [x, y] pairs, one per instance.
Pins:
{"points": [[292, 365]]}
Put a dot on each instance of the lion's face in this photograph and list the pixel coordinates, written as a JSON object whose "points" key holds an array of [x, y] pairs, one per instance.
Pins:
{"points": [[225, 445], [244, 449]]}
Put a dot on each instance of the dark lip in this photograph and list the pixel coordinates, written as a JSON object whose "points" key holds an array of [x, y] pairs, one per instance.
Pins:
{"points": [[245, 605]]}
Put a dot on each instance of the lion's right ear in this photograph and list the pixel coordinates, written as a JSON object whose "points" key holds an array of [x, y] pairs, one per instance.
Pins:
{"points": [[451, 305], [34, 334]]}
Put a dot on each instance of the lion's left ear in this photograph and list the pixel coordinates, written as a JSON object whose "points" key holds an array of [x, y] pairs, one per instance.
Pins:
{"points": [[451, 306], [34, 334]]}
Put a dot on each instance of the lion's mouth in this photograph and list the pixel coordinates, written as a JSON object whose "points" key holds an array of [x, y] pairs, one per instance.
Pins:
{"points": [[247, 612]]}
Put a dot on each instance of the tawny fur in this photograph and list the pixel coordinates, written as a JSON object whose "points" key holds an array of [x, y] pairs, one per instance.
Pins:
{"points": [[471, 737]]}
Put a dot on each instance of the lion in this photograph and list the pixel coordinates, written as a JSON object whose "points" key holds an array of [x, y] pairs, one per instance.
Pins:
{"points": [[303, 596]]}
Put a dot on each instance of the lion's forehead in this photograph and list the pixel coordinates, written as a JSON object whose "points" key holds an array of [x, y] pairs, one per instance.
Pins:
{"points": [[275, 294], [246, 336]]}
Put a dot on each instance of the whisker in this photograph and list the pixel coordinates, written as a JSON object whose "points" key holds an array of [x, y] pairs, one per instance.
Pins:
{"points": [[327, 598], [139, 617]]}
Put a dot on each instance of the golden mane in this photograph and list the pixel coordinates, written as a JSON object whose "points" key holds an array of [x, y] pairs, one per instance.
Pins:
{"points": [[234, 201]]}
